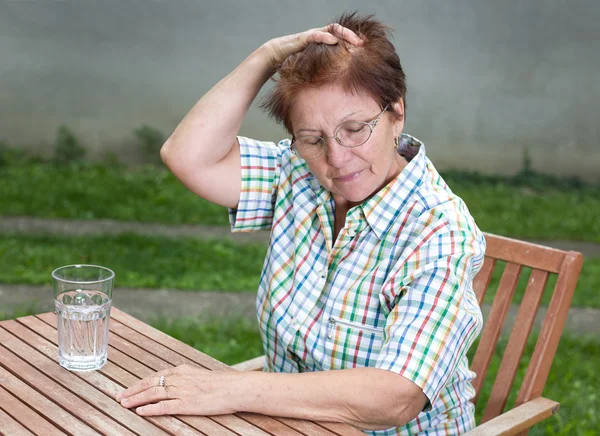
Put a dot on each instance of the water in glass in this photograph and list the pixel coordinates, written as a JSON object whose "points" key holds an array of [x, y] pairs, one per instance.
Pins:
{"points": [[83, 318]]}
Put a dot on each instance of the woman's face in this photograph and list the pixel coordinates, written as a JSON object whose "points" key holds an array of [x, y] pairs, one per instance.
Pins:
{"points": [[351, 174]]}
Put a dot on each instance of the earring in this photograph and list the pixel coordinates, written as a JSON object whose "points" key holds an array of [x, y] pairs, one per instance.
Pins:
{"points": [[396, 141]]}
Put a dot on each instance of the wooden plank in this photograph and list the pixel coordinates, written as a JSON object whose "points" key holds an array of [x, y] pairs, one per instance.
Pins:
{"points": [[58, 384], [264, 422], [166, 340], [341, 429], [242, 423], [309, 428], [524, 253], [149, 345], [518, 419], [114, 372], [516, 344], [26, 416], [51, 411], [493, 325], [10, 427], [554, 321], [482, 279], [232, 422], [104, 381]]}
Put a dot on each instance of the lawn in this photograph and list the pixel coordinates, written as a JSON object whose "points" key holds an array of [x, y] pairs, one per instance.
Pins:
{"points": [[541, 208], [146, 262], [190, 264]]}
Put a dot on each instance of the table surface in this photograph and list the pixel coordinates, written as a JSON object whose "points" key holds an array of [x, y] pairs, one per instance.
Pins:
{"points": [[38, 396]]}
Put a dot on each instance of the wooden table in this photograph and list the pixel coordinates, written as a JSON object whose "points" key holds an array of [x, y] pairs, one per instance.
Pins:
{"points": [[38, 396]]}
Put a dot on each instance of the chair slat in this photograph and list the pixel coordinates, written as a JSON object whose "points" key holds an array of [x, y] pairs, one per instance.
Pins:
{"points": [[545, 348], [518, 419], [493, 326], [524, 253], [482, 279], [516, 344]]}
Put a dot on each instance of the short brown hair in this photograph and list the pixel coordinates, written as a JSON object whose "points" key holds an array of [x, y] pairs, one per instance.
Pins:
{"points": [[373, 68]]}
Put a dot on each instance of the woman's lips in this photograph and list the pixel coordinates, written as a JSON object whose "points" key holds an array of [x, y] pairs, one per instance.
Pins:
{"points": [[349, 177]]}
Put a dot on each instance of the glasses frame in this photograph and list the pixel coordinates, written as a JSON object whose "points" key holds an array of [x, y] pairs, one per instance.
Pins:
{"points": [[372, 124]]}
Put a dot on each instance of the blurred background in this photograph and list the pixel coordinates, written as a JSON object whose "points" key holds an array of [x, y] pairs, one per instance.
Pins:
{"points": [[504, 94], [487, 81]]}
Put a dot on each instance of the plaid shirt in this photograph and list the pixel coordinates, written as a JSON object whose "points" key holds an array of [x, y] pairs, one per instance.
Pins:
{"points": [[394, 291]]}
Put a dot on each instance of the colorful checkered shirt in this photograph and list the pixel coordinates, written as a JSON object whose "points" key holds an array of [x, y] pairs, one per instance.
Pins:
{"points": [[394, 291]]}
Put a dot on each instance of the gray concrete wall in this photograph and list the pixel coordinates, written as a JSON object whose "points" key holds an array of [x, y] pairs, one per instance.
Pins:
{"points": [[486, 79]]}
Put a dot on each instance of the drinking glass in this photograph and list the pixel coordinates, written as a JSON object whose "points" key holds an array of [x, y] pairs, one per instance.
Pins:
{"points": [[82, 298]]}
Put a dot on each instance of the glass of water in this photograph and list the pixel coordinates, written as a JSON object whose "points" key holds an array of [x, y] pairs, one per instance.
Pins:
{"points": [[82, 297]]}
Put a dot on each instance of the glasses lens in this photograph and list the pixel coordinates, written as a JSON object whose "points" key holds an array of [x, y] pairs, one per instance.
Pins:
{"points": [[309, 147], [353, 134]]}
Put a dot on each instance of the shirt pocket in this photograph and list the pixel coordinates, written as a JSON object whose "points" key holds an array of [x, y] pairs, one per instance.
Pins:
{"points": [[352, 344]]}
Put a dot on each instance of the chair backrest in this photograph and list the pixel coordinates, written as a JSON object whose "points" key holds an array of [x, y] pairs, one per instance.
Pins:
{"points": [[543, 262]]}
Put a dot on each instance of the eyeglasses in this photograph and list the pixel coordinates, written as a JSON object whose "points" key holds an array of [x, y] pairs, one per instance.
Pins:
{"points": [[350, 135]]}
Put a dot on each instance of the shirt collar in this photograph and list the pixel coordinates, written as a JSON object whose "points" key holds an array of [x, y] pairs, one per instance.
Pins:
{"points": [[383, 208]]}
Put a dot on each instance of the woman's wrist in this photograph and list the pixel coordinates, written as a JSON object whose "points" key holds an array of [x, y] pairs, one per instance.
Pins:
{"points": [[268, 54], [248, 391]]}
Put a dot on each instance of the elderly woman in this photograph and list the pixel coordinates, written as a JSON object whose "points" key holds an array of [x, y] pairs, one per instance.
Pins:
{"points": [[365, 305]]}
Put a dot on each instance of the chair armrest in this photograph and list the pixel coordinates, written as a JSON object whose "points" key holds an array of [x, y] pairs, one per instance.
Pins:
{"points": [[518, 419], [255, 364]]}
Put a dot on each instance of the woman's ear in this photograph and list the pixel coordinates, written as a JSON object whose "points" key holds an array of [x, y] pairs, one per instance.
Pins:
{"points": [[399, 123]]}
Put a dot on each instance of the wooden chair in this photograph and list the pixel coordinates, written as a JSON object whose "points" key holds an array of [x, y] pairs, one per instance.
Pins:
{"points": [[530, 407]]}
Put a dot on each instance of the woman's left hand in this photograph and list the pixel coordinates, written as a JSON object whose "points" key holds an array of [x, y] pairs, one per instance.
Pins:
{"points": [[188, 390]]}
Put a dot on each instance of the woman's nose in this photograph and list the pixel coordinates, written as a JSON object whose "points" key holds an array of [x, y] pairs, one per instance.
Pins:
{"points": [[337, 155]]}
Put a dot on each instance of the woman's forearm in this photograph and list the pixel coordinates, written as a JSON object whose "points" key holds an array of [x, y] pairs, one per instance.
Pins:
{"points": [[367, 398]]}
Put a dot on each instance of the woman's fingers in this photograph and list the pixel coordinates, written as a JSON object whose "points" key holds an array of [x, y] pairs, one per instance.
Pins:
{"points": [[144, 384], [322, 37], [150, 395], [169, 407], [338, 30], [281, 48]]}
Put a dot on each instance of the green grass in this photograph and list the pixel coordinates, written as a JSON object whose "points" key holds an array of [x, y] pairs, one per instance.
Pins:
{"points": [[154, 262], [150, 262], [229, 340], [523, 213], [145, 194], [505, 206]]}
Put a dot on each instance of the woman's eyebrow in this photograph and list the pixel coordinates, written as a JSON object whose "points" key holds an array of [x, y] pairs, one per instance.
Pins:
{"points": [[341, 121]]}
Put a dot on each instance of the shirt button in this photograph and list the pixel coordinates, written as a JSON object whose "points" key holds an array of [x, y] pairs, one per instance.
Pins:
{"points": [[351, 232], [323, 273]]}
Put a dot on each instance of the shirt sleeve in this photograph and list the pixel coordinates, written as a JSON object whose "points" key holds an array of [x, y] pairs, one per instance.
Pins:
{"points": [[261, 168], [434, 317]]}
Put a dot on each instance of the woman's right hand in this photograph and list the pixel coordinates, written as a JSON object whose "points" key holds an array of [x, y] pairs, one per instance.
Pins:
{"points": [[280, 48]]}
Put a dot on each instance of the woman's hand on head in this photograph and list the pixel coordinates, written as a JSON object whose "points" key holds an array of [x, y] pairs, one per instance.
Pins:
{"points": [[284, 46], [188, 390]]}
